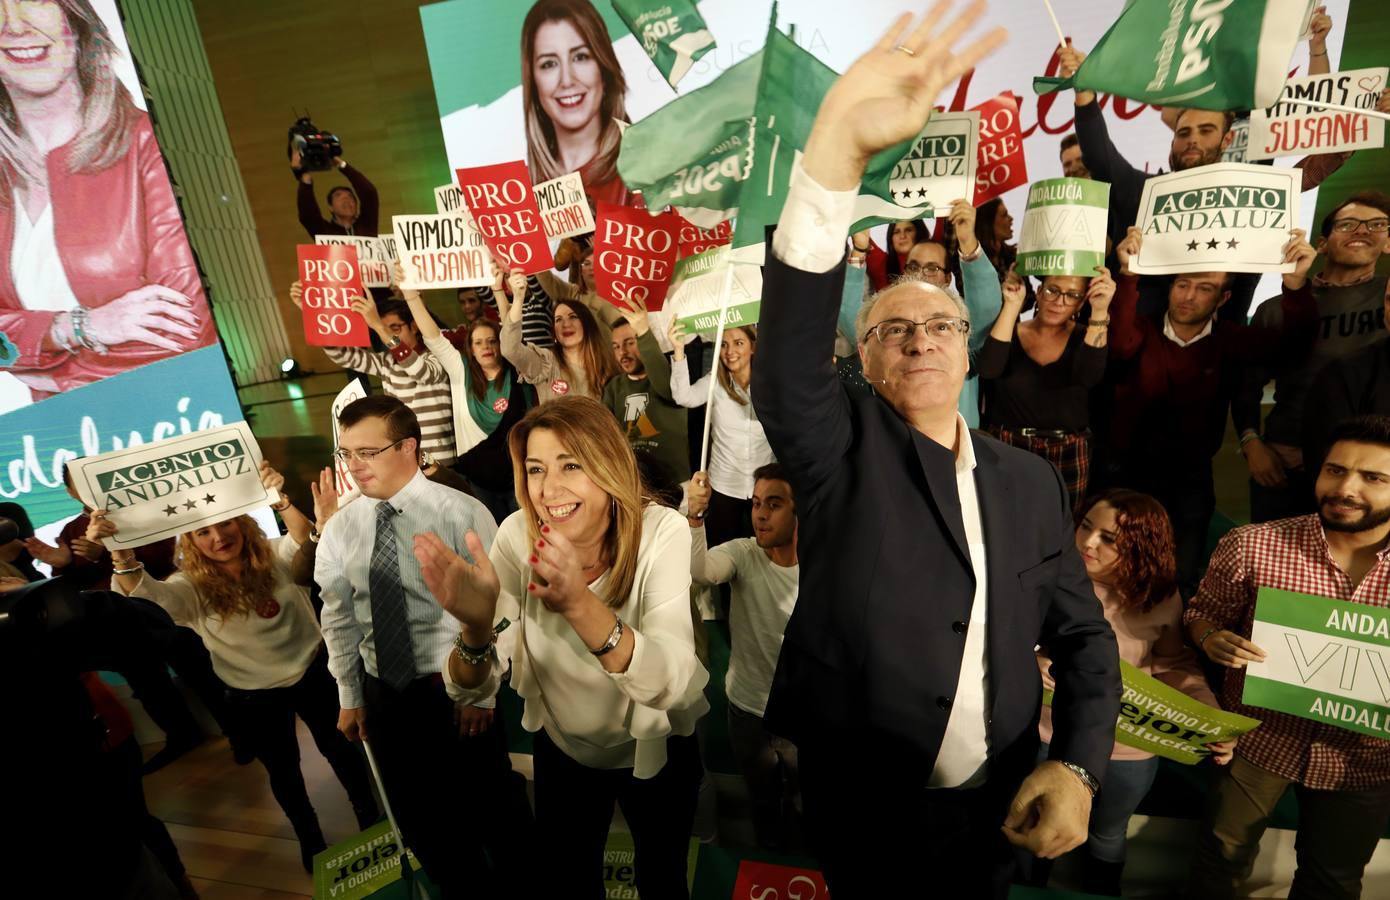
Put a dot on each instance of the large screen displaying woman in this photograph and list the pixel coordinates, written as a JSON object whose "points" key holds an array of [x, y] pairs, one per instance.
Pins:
{"points": [[106, 337]]}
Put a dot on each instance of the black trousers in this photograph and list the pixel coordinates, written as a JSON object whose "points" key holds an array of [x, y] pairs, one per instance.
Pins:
{"points": [[876, 836], [574, 807], [459, 805], [266, 724], [125, 764]]}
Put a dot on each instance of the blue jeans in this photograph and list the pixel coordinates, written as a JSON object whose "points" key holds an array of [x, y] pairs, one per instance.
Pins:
{"points": [[1126, 782]]}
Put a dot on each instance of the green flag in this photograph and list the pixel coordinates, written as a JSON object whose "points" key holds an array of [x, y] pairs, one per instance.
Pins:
{"points": [[693, 152], [1203, 54], [728, 148], [790, 89], [671, 32]]}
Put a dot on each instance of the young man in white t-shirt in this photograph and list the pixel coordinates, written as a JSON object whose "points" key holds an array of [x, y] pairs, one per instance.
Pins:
{"points": [[762, 572]]}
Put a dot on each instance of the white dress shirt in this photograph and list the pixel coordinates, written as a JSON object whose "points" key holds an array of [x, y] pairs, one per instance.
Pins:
{"points": [[602, 719], [1172, 335], [811, 237], [738, 444], [342, 566]]}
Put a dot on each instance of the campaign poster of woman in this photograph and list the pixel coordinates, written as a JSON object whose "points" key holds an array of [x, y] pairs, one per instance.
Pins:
{"points": [[96, 275], [575, 97]]}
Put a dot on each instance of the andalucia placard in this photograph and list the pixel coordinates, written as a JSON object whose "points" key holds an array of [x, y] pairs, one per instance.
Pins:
{"points": [[1225, 217], [159, 490], [1064, 227], [696, 286], [1326, 660]]}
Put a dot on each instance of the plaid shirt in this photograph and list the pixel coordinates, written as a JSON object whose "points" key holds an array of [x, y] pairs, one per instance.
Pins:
{"points": [[1291, 554]]}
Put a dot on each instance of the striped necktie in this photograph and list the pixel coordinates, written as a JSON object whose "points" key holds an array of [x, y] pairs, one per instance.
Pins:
{"points": [[395, 657]]}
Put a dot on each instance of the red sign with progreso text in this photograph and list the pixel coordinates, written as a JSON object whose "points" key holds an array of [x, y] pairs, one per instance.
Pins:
{"points": [[505, 210], [765, 881], [329, 277], [1000, 166], [634, 255]]}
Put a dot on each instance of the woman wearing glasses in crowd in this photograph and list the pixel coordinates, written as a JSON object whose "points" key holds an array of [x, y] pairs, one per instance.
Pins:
{"points": [[593, 580], [489, 398], [738, 446], [1126, 542], [579, 364], [234, 588], [1038, 374]]}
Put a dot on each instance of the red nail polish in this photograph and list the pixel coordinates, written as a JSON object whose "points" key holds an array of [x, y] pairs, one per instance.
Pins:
{"points": [[540, 544], [533, 560], [545, 529], [531, 588]]}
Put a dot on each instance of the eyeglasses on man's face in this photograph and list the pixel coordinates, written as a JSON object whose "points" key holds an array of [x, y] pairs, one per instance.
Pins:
{"points": [[915, 268], [896, 332], [365, 455], [1348, 225]]}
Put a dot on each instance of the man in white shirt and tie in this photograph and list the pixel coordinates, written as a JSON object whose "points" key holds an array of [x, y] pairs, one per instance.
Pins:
{"points": [[386, 635]]}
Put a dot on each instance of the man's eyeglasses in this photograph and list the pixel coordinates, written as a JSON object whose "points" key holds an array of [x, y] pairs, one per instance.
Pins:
{"points": [[896, 332], [347, 456], [914, 268], [1374, 226], [1057, 295]]}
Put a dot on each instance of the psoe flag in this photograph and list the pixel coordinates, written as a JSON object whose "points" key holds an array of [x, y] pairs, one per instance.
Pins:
{"points": [[1203, 54]]}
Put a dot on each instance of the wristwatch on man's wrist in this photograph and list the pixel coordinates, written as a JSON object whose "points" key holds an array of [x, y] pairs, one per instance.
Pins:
{"points": [[1086, 777]]}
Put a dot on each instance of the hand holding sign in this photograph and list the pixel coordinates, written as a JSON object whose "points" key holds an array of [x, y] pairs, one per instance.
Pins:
{"points": [[1100, 292], [1230, 649], [366, 308], [1301, 253], [1128, 248], [962, 217]]}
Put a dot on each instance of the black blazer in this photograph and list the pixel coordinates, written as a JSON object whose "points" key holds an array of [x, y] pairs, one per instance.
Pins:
{"points": [[872, 653]]}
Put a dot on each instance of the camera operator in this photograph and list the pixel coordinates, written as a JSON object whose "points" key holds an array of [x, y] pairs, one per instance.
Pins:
{"points": [[352, 210]]}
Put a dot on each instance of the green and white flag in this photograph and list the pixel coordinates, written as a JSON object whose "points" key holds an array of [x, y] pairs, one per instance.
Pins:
{"points": [[672, 33], [696, 285], [728, 149], [1325, 660], [1064, 227], [694, 152], [1203, 54]]}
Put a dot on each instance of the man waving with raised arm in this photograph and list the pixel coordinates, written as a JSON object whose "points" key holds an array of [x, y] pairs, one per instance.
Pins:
{"points": [[934, 559]]}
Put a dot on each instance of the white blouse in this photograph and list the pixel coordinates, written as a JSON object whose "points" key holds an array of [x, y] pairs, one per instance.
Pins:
{"points": [[600, 719], [738, 444], [248, 652], [40, 281]]}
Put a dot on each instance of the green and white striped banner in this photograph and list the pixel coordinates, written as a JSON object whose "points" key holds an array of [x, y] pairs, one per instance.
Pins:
{"points": [[1326, 660], [1064, 227]]}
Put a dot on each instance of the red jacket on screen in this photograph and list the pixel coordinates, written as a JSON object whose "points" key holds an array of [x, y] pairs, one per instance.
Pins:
{"points": [[116, 230]]}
